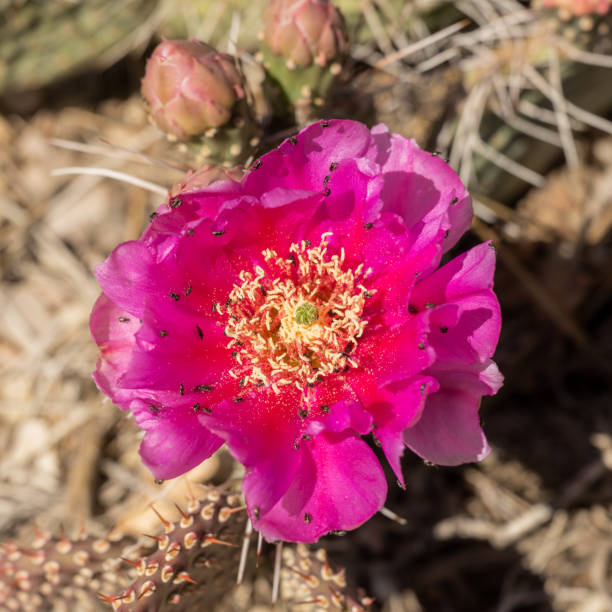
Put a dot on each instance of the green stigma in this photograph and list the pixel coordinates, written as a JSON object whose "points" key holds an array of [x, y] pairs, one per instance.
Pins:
{"points": [[306, 314]]}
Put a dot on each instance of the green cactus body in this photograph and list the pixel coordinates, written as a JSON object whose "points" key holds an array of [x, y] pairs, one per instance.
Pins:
{"points": [[192, 565], [42, 40]]}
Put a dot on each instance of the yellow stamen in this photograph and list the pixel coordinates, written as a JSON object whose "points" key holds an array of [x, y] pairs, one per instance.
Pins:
{"points": [[298, 320]]}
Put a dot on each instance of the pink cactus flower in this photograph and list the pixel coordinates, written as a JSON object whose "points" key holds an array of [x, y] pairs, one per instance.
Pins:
{"points": [[295, 311]]}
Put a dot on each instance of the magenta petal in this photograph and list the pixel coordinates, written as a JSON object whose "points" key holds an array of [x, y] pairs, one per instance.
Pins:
{"points": [[468, 273], [113, 331], [304, 161], [397, 407], [465, 282], [342, 416], [398, 353], [176, 349], [424, 190], [174, 441], [339, 485], [128, 277], [261, 432], [449, 432]]}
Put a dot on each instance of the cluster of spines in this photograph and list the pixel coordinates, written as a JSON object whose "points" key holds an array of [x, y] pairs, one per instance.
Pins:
{"points": [[59, 568], [309, 580], [193, 563]]}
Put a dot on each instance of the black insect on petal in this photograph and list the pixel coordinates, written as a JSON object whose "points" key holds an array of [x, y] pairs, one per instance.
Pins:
{"points": [[444, 329], [188, 290], [196, 407], [154, 409], [152, 216], [307, 518], [303, 413], [181, 388], [256, 512], [175, 296], [326, 179], [158, 482], [257, 165], [327, 192], [333, 166], [454, 201], [200, 332], [207, 410], [175, 203], [218, 233], [325, 124], [325, 409], [239, 399], [202, 388], [368, 226], [163, 333], [430, 305], [421, 346], [293, 140], [412, 309], [190, 232], [123, 319]]}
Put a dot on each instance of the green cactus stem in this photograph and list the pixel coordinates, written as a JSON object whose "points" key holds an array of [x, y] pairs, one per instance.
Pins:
{"points": [[191, 565]]}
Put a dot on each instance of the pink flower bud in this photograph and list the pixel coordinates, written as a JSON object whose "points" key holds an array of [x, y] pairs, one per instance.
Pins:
{"points": [[305, 31], [190, 87]]}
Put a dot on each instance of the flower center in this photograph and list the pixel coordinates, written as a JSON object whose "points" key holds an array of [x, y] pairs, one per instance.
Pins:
{"points": [[297, 319], [306, 313]]}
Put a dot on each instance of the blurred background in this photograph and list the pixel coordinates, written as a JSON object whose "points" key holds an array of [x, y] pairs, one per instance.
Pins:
{"points": [[517, 95]]}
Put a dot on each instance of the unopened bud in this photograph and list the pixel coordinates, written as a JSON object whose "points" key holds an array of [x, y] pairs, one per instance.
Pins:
{"points": [[190, 87], [305, 32]]}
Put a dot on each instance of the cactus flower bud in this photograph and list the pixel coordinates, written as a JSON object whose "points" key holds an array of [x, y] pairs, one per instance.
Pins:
{"points": [[304, 31], [190, 87]]}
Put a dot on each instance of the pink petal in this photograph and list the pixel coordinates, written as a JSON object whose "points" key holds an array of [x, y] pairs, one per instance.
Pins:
{"points": [[449, 432], [397, 407], [305, 164], [128, 277], [261, 432], [398, 353], [177, 350], [175, 441], [424, 190], [113, 331], [339, 485], [465, 282]]}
